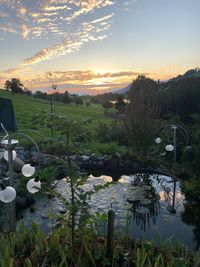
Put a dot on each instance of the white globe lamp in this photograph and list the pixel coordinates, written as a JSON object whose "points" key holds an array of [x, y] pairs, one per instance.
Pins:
{"points": [[169, 148], [158, 140], [7, 194], [14, 155], [28, 170], [33, 185]]}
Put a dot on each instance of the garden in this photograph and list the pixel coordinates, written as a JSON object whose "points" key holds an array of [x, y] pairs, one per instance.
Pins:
{"points": [[104, 191]]}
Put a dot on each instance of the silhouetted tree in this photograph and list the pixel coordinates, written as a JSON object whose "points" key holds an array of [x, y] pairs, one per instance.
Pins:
{"points": [[107, 105], [14, 85], [66, 97], [142, 116], [120, 104]]}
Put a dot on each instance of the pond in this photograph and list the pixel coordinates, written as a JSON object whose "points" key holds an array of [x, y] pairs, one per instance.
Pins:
{"points": [[150, 207]]}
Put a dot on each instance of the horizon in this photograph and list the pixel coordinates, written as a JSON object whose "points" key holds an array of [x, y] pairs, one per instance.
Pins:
{"points": [[94, 45]]}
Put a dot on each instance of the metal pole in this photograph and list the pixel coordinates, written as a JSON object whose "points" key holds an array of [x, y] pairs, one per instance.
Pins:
{"points": [[11, 176], [51, 104], [110, 234], [174, 127]]}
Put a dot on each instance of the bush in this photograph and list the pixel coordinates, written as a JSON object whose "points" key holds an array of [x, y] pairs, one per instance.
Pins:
{"points": [[107, 148]]}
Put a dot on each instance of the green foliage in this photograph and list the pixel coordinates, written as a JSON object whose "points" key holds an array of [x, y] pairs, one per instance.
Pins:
{"points": [[120, 105], [68, 131], [191, 188], [142, 116], [31, 247], [106, 148], [181, 97], [113, 132], [107, 105]]}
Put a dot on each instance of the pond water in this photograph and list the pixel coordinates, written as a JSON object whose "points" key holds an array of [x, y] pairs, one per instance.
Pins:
{"points": [[150, 207]]}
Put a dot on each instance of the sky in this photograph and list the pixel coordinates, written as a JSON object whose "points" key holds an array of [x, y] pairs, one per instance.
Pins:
{"points": [[94, 46]]}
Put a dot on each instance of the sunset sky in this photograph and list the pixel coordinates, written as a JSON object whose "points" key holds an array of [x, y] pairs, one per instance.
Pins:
{"points": [[96, 45]]}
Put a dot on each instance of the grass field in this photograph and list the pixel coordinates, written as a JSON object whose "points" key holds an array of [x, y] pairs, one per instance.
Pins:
{"points": [[26, 107]]}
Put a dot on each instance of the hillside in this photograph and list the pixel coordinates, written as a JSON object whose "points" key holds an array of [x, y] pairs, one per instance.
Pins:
{"points": [[27, 106], [164, 85]]}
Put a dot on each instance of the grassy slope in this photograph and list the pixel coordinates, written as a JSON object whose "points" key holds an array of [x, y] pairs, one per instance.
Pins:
{"points": [[26, 106]]}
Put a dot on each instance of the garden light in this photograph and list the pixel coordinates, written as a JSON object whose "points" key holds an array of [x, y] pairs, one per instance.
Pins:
{"points": [[158, 140], [7, 194], [33, 185], [14, 155], [28, 170], [169, 148]]}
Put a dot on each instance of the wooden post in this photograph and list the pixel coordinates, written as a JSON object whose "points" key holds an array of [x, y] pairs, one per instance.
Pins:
{"points": [[110, 234]]}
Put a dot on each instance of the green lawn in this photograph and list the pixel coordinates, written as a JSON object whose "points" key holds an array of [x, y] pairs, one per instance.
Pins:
{"points": [[26, 106]]}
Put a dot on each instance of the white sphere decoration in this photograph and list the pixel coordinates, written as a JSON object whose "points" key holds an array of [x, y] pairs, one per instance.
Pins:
{"points": [[14, 155], [158, 140], [169, 148], [28, 170], [33, 185], [8, 194]]}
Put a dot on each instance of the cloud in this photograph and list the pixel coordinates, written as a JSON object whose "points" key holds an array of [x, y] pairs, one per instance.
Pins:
{"points": [[7, 29], [89, 31], [3, 15], [88, 6], [22, 10], [55, 8], [83, 81], [27, 17], [86, 77], [128, 3]]}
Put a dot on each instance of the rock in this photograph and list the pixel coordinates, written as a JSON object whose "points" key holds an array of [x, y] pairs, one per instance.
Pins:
{"points": [[100, 163], [47, 162], [111, 161], [72, 157], [61, 172], [94, 157], [19, 148], [62, 210], [85, 158], [18, 164], [1, 154], [127, 163], [45, 216], [32, 209], [134, 165]]}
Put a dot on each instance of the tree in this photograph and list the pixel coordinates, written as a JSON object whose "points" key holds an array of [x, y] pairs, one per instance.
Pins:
{"points": [[78, 100], [66, 97], [120, 104], [107, 105], [14, 85], [27, 91], [142, 116]]}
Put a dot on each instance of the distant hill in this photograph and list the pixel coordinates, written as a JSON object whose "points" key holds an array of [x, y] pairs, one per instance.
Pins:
{"points": [[181, 96], [122, 90], [188, 74], [165, 85]]}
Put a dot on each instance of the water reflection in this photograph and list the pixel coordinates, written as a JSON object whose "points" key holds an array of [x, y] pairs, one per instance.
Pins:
{"points": [[144, 199], [142, 203]]}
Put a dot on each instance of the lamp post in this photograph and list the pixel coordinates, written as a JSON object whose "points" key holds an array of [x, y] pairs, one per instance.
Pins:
{"points": [[173, 148], [9, 145], [8, 193]]}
